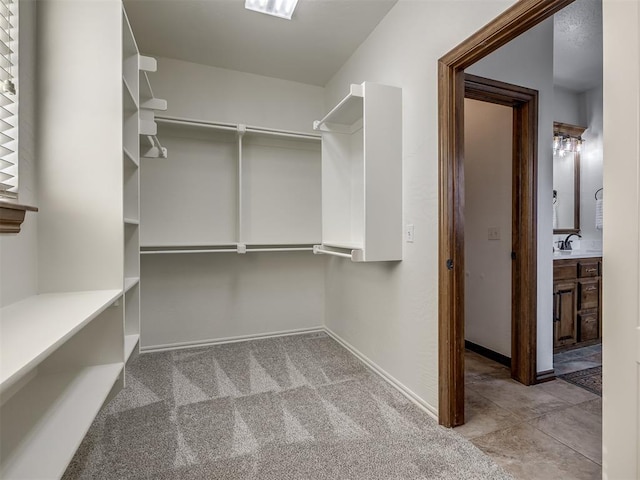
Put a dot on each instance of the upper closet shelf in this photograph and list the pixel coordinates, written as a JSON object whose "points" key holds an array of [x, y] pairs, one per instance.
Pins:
{"points": [[346, 116], [33, 328], [241, 129]]}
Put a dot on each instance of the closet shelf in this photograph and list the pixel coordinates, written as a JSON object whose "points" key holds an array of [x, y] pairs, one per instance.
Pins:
{"points": [[347, 115], [33, 328], [131, 221], [130, 282], [245, 130], [43, 425], [130, 342], [130, 102], [129, 156]]}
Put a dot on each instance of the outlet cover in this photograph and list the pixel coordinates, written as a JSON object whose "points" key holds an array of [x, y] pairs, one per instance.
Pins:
{"points": [[409, 233]]}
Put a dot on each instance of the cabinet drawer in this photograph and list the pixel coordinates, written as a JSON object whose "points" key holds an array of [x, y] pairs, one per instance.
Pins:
{"points": [[567, 271], [588, 294], [588, 269], [588, 327]]}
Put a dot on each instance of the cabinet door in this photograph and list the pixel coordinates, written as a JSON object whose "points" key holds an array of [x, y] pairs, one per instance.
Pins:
{"points": [[564, 314]]}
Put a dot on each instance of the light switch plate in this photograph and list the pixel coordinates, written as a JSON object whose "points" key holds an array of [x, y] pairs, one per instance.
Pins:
{"points": [[409, 233], [494, 233]]}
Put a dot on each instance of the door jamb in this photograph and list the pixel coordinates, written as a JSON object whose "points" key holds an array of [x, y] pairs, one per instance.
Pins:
{"points": [[516, 20]]}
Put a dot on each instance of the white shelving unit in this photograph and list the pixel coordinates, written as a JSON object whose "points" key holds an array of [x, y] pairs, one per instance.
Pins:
{"points": [[362, 175], [139, 106], [62, 350], [231, 188]]}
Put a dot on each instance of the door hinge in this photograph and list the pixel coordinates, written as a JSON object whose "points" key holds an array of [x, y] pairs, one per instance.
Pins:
{"points": [[513, 255], [449, 264]]}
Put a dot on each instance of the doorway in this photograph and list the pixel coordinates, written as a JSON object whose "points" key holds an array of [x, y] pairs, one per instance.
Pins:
{"points": [[516, 20], [523, 103]]}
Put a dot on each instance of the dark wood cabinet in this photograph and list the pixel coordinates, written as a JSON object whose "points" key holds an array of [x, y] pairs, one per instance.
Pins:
{"points": [[576, 302]]}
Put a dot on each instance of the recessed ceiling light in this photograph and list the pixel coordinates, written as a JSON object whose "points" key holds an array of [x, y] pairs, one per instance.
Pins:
{"points": [[277, 8]]}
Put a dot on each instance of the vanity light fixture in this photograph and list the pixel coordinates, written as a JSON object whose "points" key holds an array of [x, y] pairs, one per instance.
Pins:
{"points": [[277, 8], [565, 143]]}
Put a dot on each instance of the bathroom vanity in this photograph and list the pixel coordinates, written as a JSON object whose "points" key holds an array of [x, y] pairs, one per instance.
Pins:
{"points": [[577, 299]]}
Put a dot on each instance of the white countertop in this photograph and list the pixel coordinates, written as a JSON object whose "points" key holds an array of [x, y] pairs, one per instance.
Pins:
{"points": [[560, 254]]}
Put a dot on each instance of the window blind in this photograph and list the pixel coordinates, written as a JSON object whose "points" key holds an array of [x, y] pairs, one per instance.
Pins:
{"points": [[8, 98]]}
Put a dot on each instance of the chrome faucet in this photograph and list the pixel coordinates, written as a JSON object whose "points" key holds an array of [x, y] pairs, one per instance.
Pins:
{"points": [[566, 243]]}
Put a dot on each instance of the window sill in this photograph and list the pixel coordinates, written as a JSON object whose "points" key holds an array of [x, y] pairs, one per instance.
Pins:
{"points": [[12, 215]]}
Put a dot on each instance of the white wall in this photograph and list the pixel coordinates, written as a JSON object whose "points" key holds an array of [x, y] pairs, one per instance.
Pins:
{"points": [[591, 161], [216, 94], [567, 106], [528, 61], [389, 311], [488, 133], [19, 253], [200, 298], [621, 287]]}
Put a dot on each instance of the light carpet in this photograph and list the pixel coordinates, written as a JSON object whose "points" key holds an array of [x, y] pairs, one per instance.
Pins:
{"points": [[295, 407]]}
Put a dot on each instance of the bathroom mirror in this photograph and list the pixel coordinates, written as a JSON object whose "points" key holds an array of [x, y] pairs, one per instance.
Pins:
{"points": [[567, 142]]}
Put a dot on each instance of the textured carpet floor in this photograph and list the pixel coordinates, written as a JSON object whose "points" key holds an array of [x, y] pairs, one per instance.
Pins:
{"points": [[589, 379], [296, 407]]}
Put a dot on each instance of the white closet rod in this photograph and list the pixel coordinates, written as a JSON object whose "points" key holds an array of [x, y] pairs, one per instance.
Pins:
{"points": [[196, 123], [318, 250], [301, 249], [207, 250], [236, 128], [227, 250]]}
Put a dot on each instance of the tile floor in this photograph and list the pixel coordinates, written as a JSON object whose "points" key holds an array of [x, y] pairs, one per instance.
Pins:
{"points": [[547, 431], [578, 359]]}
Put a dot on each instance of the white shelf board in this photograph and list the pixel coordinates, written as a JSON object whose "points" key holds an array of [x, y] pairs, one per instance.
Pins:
{"points": [[130, 282], [347, 245], [131, 221], [130, 342], [129, 157], [33, 328], [129, 100], [44, 423], [348, 111]]}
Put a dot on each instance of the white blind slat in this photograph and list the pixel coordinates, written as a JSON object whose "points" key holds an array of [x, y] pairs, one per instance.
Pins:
{"points": [[8, 100]]}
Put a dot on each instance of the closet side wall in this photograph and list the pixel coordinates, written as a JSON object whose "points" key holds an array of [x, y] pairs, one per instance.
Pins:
{"points": [[388, 311], [200, 298]]}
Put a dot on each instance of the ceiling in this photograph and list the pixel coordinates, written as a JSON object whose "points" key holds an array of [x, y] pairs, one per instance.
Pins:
{"points": [[310, 48], [577, 50]]}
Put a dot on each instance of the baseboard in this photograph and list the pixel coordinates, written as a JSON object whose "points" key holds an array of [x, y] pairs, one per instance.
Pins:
{"points": [[545, 376], [427, 408], [219, 341], [490, 354]]}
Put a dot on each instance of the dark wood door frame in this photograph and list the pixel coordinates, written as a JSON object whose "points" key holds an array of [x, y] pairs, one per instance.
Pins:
{"points": [[524, 102], [522, 16]]}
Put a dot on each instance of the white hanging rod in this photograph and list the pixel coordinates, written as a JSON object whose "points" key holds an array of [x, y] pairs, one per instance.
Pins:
{"points": [[195, 123], [284, 249], [235, 127], [204, 250], [317, 249], [240, 249]]}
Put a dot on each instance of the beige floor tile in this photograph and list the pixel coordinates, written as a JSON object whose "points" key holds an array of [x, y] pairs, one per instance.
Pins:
{"points": [[529, 454], [565, 391], [483, 416], [575, 428], [593, 406], [478, 368], [525, 402]]}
